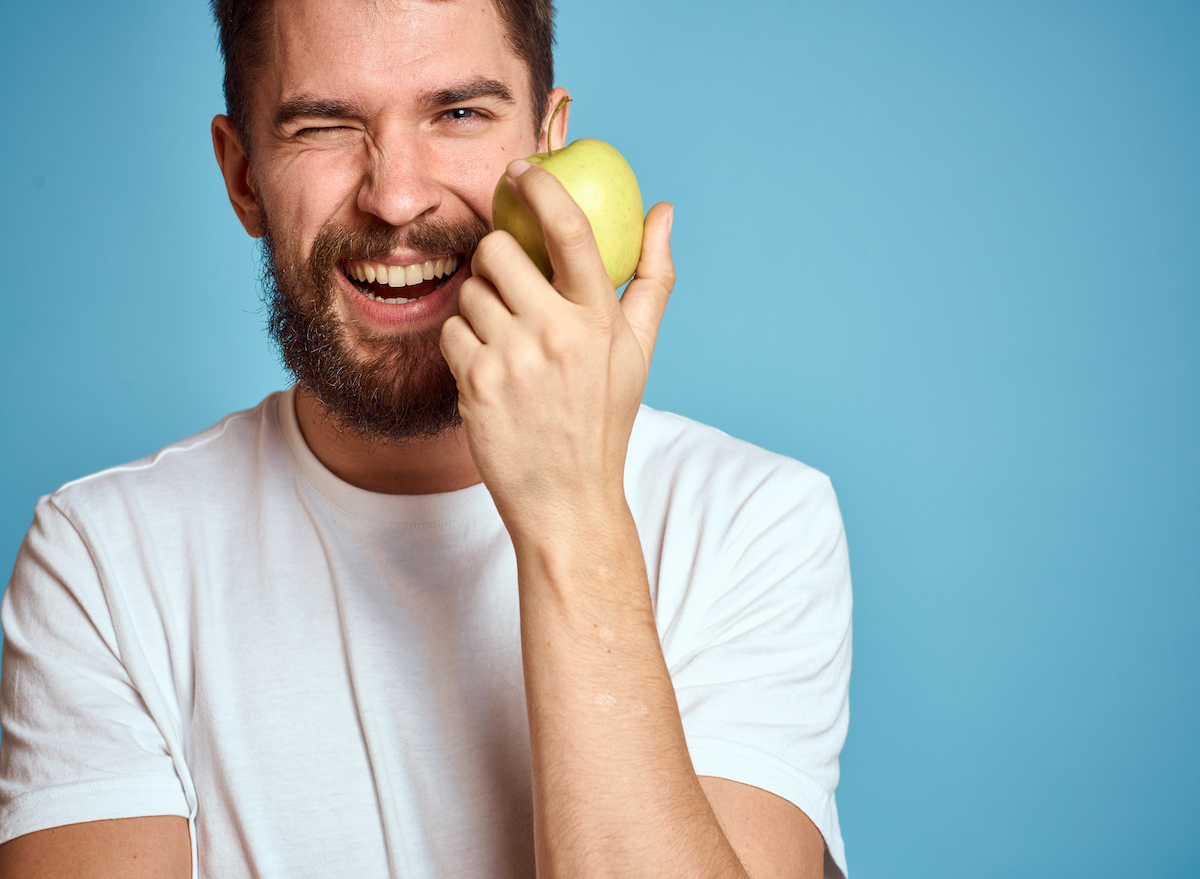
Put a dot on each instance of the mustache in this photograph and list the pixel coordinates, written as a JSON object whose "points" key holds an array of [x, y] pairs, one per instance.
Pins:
{"points": [[377, 240]]}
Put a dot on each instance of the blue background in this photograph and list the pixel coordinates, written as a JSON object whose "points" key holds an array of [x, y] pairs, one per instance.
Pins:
{"points": [[947, 252]]}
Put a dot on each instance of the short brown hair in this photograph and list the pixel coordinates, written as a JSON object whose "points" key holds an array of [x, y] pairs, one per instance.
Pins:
{"points": [[244, 28]]}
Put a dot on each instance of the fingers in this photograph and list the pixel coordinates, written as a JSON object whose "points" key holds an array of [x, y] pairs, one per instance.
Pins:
{"points": [[500, 260], [459, 345], [579, 273], [480, 303], [645, 298]]}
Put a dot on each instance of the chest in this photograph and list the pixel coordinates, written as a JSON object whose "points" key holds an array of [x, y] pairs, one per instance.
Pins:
{"points": [[356, 700]]}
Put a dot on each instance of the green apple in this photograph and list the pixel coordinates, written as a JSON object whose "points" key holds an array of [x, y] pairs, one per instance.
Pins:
{"points": [[603, 185]]}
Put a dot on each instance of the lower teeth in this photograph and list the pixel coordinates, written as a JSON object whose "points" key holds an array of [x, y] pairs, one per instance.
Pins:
{"points": [[394, 301]]}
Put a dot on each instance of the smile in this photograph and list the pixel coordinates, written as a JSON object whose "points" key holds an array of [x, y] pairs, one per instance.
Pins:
{"points": [[375, 280]]}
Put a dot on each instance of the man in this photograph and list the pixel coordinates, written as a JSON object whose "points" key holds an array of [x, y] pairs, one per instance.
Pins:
{"points": [[449, 607]]}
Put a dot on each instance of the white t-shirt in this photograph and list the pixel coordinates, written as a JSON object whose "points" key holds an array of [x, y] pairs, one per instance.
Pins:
{"points": [[327, 681]]}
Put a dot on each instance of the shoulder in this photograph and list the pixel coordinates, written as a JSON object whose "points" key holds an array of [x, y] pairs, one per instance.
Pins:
{"points": [[673, 458], [122, 536], [662, 437], [733, 531], [184, 474], [170, 505]]}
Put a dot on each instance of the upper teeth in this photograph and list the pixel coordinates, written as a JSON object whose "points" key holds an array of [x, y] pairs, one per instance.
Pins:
{"points": [[401, 276]]}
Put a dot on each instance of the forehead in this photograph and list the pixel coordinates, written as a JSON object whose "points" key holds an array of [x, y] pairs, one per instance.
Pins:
{"points": [[384, 53]]}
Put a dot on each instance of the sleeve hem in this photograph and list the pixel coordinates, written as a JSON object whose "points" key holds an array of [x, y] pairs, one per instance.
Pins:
{"points": [[91, 801], [737, 762]]}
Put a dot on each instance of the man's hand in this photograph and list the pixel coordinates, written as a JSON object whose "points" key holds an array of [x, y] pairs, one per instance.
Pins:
{"points": [[550, 376]]}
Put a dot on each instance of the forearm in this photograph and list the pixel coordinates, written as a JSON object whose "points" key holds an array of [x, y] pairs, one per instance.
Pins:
{"points": [[549, 379], [614, 788]]}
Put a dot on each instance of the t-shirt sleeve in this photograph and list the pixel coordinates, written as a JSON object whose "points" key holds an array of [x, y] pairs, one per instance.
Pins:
{"points": [[77, 742], [759, 651]]}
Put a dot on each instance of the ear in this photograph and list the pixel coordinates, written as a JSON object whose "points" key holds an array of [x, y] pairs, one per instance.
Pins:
{"points": [[557, 137], [235, 168]]}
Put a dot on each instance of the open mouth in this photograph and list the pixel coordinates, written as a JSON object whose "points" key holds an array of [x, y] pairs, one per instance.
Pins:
{"points": [[396, 285]]}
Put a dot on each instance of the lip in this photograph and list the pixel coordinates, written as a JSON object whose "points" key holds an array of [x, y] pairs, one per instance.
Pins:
{"points": [[426, 311]]}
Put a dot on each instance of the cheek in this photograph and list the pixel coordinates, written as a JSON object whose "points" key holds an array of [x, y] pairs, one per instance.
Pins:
{"points": [[474, 176], [306, 191]]}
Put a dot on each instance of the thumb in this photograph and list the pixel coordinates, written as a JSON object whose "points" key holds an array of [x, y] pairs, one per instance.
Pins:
{"points": [[645, 297]]}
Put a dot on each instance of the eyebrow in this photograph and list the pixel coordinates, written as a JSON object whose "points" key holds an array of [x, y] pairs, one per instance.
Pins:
{"points": [[467, 91], [306, 107]]}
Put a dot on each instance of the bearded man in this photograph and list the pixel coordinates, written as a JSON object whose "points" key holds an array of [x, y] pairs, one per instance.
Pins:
{"points": [[455, 604]]}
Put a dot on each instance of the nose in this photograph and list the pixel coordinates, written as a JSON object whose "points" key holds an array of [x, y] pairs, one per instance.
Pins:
{"points": [[399, 183]]}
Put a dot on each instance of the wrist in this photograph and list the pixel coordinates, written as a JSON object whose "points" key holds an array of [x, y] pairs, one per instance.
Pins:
{"points": [[589, 542], [582, 520]]}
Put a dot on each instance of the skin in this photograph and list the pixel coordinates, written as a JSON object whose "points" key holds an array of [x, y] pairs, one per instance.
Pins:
{"points": [[550, 377]]}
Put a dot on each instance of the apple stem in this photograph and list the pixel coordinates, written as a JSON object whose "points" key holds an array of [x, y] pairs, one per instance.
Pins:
{"points": [[550, 130]]}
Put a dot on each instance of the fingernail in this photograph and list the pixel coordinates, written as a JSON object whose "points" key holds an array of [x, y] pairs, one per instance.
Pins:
{"points": [[670, 219], [518, 167]]}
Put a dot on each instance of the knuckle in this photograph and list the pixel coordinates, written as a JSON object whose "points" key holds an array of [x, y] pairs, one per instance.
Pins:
{"points": [[573, 229], [474, 296], [524, 360], [557, 341], [489, 380]]}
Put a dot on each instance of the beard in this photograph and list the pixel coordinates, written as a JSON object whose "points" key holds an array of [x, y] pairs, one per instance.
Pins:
{"points": [[385, 387]]}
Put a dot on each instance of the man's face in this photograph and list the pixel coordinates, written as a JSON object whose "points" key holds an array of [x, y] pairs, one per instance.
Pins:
{"points": [[379, 130]]}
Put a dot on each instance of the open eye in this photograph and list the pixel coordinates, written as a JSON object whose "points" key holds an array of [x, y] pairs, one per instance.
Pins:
{"points": [[461, 113]]}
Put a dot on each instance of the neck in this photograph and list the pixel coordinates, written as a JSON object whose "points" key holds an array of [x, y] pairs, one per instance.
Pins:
{"points": [[413, 467]]}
